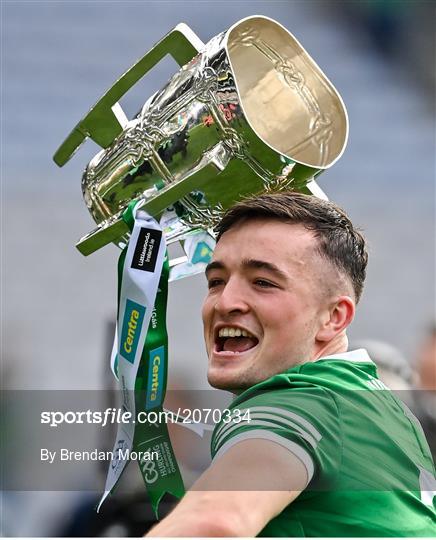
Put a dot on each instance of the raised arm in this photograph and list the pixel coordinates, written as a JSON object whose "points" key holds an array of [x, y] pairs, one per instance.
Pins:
{"points": [[239, 493]]}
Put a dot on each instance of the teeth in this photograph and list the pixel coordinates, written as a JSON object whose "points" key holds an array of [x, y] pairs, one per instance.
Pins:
{"points": [[233, 332]]}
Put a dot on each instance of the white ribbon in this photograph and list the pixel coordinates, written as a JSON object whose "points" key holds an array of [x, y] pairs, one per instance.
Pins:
{"points": [[140, 279]]}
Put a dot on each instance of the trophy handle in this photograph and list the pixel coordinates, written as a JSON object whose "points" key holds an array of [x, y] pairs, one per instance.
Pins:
{"points": [[213, 162], [106, 119]]}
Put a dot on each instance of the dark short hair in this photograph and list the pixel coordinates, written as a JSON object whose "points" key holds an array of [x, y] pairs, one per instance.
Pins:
{"points": [[338, 240]]}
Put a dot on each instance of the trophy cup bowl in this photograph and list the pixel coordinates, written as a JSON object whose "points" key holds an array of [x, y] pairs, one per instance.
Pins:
{"points": [[249, 112]]}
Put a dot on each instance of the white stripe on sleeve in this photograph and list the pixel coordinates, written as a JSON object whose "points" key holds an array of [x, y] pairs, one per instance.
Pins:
{"points": [[294, 448]]}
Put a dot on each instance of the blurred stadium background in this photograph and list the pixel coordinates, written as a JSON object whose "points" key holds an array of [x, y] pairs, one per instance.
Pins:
{"points": [[58, 57]]}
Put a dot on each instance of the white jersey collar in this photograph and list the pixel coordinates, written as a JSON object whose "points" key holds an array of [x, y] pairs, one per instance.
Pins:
{"points": [[359, 356]]}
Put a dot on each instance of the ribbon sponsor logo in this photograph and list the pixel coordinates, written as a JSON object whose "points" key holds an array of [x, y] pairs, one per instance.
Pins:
{"points": [[133, 317], [202, 253], [155, 382], [120, 447], [147, 249], [126, 397], [148, 468]]}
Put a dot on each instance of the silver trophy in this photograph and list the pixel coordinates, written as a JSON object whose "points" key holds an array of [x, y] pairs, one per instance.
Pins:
{"points": [[249, 112]]}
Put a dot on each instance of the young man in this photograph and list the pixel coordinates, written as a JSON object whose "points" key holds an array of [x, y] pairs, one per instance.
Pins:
{"points": [[317, 445]]}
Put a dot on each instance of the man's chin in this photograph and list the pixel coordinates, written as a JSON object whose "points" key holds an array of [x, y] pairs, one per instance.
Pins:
{"points": [[223, 380]]}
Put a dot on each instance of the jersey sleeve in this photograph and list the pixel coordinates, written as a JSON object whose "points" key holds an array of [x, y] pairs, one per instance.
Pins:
{"points": [[303, 420]]}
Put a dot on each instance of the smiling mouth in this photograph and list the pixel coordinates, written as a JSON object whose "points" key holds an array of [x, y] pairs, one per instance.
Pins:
{"points": [[234, 341]]}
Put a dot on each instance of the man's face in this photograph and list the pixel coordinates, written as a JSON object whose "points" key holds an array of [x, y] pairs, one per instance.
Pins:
{"points": [[265, 302]]}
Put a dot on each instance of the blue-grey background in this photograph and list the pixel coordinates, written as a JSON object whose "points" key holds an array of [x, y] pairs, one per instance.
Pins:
{"points": [[58, 57]]}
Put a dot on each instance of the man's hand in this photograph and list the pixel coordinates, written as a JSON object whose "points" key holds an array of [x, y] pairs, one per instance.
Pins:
{"points": [[239, 493]]}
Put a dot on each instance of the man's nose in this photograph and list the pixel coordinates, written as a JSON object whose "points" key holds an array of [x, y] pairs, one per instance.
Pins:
{"points": [[232, 299]]}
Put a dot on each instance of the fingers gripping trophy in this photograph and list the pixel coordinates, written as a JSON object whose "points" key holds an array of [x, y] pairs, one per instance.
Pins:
{"points": [[248, 112]]}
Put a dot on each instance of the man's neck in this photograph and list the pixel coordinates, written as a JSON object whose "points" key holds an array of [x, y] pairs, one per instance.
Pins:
{"points": [[336, 346]]}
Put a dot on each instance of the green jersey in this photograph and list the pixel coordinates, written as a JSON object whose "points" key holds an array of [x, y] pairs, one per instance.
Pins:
{"points": [[368, 463]]}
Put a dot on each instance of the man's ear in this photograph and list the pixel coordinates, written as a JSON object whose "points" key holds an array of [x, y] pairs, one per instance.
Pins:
{"points": [[337, 319]]}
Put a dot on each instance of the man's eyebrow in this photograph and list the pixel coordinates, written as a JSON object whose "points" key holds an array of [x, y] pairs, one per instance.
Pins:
{"points": [[264, 265], [250, 264], [214, 265]]}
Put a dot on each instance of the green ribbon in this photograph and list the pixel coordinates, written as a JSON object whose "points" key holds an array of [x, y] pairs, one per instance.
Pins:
{"points": [[163, 475]]}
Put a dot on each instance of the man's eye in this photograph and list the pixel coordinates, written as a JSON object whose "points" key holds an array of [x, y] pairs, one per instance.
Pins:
{"points": [[211, 283], [264, 284]]}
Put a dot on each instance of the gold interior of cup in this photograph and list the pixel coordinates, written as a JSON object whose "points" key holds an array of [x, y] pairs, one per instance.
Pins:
{"points": [[286, 98]]}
